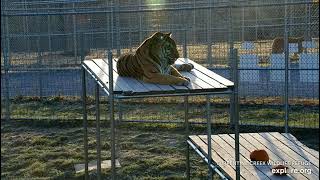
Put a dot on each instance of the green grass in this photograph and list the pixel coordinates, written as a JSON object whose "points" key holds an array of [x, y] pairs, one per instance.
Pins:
{"points": [[263, 111], [32, 151], [48, 149], [145, 151]]}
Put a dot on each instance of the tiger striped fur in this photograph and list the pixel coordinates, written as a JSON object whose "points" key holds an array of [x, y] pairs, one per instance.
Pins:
{"points": [[153, 62]]}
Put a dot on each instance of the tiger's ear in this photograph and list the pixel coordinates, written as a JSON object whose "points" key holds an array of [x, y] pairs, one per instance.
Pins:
{"points": [[158, 36], [168, 34]]}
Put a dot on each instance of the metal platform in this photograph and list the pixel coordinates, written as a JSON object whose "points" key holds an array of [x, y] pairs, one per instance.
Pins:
{"points": [[202, 82], [302, 162]]}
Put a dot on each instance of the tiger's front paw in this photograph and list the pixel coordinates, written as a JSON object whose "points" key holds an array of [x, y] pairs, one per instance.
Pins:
{"points": [[191, 66], [185, 67], [186, 78], [185, 82], [188, 67]]}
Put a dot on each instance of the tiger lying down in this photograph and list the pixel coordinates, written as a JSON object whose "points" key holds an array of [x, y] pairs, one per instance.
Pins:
{"points": [[153, 62]]}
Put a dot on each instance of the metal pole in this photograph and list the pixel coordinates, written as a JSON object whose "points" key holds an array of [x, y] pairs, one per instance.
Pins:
{"points": [[6, 50], [74, 34], [186, 121], [140, 22], [85, 122], [235, 113], [209, 137], [256, 15], [84, 103], [230, 33], [98, 132], [25, 28], [230, 42], [209, 40], [112, 24], [110, 27], [130, 40], [194, 23], [111, 108], [49, 31], [286, 90], [39, 58], [185, 50], [117, 23], [242, 28]]}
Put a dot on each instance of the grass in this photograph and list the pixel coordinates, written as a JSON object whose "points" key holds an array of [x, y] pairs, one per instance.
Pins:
{"points": [[263, 111], [37, 152], [146, 151], [48, 149]]}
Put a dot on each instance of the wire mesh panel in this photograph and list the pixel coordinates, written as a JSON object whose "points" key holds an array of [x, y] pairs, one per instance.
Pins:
{"points": [[44, 42]]}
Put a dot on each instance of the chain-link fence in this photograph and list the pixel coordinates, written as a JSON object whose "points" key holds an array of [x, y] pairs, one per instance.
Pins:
{"points": [[42, 43]]}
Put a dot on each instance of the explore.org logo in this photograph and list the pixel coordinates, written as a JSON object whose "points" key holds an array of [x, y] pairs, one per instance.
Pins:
{"points": [[293, 166]]}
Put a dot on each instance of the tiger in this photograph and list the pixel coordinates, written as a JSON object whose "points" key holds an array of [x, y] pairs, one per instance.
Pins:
{"points": [[278, 45], [153, 62]]}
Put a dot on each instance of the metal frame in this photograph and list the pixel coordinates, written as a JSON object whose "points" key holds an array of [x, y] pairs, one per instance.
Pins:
{"points": [[205, 159], [85, 121], [111, 96], [209, 137], [97, 96], [286, 76], [235, 112]]}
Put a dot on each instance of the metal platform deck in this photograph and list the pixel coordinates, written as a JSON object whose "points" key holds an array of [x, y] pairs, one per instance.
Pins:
{"points": [[202, 80], [302, 162]]}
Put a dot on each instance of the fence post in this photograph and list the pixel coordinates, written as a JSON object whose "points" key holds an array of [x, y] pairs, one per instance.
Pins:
{"points": [[39, 64], [117, 23], [75, 36], [187, 131], [209, 136], [231, 65], [111, 113], [140, 22], [84, 106], [6, 52], [49, 31], [235, 112], [286, 89], [185, 50], [209, 40], [98, 140]]}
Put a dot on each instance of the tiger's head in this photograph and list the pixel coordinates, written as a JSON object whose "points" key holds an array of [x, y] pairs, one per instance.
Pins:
{"points": [[161, 48]]}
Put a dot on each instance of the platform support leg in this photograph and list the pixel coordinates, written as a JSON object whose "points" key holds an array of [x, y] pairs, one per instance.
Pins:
{"points": [[111, 109], [209, 136], [98, 131], [85, 122], [235, 109], [186, 121]]}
